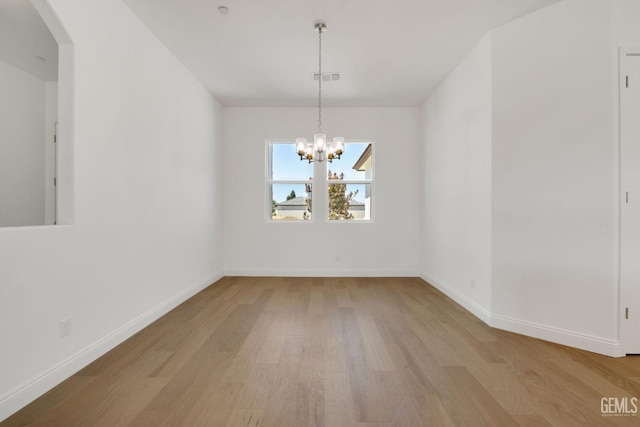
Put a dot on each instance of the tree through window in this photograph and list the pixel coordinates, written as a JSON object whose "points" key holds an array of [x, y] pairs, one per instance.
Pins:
{"points": [[349, 182]]}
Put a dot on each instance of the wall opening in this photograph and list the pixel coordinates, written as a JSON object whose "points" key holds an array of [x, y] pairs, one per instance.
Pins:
{"points": [[35, 119]]}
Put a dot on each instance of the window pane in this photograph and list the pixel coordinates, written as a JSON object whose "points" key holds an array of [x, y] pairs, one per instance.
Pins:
{"points": [[349, 201], [286, 164], [355, 163], [291, 201]]}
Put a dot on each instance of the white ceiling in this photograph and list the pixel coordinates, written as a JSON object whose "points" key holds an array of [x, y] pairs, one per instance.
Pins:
{"points": [[263, 53], [23, 36]]}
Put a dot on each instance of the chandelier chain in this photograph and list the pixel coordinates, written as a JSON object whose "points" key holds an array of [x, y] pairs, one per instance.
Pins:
{"points": [[320, 80]]}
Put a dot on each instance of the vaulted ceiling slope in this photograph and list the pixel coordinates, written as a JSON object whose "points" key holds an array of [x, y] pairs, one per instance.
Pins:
{"points": [[264, 53]]}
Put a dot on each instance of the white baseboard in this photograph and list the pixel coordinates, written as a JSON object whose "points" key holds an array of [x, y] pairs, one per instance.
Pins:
{"points": [[574, 339], [476, 309], [19, 397], [319, 273]]}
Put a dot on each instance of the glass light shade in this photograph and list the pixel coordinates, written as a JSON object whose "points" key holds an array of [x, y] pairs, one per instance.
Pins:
{"points": [[338, 142], [309, 151], [301, 145], [319, 142]]}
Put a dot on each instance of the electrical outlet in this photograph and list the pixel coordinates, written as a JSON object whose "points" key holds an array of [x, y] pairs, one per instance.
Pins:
{"points": [[65, 327], [472, 282]]}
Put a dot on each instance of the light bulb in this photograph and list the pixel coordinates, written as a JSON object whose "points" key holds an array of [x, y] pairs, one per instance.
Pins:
{"points": [[339, 144], [309, 151], [319, 142], [301, 144]]}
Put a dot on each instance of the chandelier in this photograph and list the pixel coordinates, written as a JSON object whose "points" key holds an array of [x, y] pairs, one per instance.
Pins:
{"points": [[320, 149]]}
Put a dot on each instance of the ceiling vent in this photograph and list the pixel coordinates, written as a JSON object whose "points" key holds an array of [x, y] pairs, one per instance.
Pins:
{"points": [[327, 77]]}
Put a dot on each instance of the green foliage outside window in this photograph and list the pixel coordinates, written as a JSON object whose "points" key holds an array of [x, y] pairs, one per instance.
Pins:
{"points": [[339, 199]]}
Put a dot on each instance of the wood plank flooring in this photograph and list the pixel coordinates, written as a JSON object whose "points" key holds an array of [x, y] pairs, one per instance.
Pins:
{"points": [[362, 352]]}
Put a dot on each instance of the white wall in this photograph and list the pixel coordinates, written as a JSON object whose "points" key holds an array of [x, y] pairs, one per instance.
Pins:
{"points": [[22, 157], [147, 230], [387, 246], [456, 179], [553, 171], [626, 31]]}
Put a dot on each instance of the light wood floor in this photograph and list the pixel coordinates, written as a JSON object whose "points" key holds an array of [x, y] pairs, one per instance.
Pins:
{"points": [[334, 352]]}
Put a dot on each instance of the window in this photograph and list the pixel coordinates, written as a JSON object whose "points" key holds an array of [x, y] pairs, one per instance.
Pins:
{"points": [[344, 187], [349, 182], [289, 183]]}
